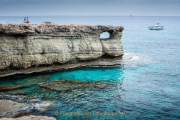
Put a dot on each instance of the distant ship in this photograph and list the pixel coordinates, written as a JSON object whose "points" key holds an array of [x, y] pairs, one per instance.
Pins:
{"points": [[156, 27]]}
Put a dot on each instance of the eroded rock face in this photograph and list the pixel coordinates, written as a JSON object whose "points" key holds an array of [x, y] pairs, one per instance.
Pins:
{"points": [[27, 45]]}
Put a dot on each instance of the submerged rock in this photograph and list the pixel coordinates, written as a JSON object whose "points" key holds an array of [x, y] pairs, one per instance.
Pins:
{"points": [[67, 85], [19, 92], [31, 117], [28, 82], [63, 85], [9, 87], [10, 109], [100, 86], [49, 94]]}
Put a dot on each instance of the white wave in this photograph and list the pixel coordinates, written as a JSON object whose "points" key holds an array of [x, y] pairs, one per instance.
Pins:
{"points": [[135, 58]]}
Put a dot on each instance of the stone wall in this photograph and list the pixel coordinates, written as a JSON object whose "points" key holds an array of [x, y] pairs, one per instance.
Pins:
{"points": [[26, 45]]}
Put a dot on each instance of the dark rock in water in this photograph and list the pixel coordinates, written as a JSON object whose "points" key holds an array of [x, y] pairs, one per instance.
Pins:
{"points": [[9, 87], [63, 85], [50, 95], [2, 93], [28, 82], [100, 86], [67, 85], [19, 92], [33, 96], [10, 109]]}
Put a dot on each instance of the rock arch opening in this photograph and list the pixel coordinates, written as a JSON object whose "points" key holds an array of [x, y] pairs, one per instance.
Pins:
{"points": [[104, 35]]}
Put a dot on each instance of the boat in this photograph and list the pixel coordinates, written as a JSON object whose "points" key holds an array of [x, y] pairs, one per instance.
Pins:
{"points": [[156, 27]]}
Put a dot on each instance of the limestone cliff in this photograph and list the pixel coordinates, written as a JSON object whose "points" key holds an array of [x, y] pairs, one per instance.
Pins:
{"points": [[24, 45]]}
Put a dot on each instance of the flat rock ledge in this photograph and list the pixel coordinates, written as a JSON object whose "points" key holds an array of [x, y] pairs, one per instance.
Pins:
{"points": [[31, 117], [48, 27], [12, 109]]}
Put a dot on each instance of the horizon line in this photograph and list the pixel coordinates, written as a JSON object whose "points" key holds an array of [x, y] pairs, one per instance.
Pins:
{"points": [[85, 15]]}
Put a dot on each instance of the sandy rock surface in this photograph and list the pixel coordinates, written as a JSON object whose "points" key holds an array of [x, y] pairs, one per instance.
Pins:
{"points": [[9, 108], [31, 117]]}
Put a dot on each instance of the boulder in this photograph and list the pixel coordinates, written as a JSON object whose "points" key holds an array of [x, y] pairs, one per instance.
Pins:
{"points": [[10, 109]]}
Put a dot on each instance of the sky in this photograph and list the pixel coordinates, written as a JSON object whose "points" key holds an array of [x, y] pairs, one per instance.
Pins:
{"points": [[90, 7]]}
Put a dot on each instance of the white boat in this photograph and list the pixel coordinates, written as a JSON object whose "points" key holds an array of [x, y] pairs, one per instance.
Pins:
{"points": [[156, 27]]}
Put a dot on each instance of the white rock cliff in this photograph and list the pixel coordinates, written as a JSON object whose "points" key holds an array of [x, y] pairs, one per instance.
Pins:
{"points": [[26, 45]]}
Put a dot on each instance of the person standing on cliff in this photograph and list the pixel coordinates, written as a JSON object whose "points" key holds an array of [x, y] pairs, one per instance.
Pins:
{"points": [[27, 20], [24, 19]]}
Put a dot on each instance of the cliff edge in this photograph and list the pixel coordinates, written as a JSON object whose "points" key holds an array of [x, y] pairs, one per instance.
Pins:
{"points": [[26, 45]]}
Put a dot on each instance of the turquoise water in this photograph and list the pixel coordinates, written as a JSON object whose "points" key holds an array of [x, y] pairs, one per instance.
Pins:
{"points": [[147, 84]]}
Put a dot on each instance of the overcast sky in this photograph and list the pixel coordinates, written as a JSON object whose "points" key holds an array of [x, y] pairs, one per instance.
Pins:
{"points": [[90, 7]]}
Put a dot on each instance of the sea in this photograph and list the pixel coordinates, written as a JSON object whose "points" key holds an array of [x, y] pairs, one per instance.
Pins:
{"points": [[147, 80]]}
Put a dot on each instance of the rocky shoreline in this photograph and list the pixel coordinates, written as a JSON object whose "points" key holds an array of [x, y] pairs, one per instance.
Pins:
{"points": [[45, 47], [62, 88]]}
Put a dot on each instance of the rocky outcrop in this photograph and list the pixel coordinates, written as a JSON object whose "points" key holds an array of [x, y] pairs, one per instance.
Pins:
{"points": [[10, 109], [27, 45], [9, 87], [30, 117]]}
